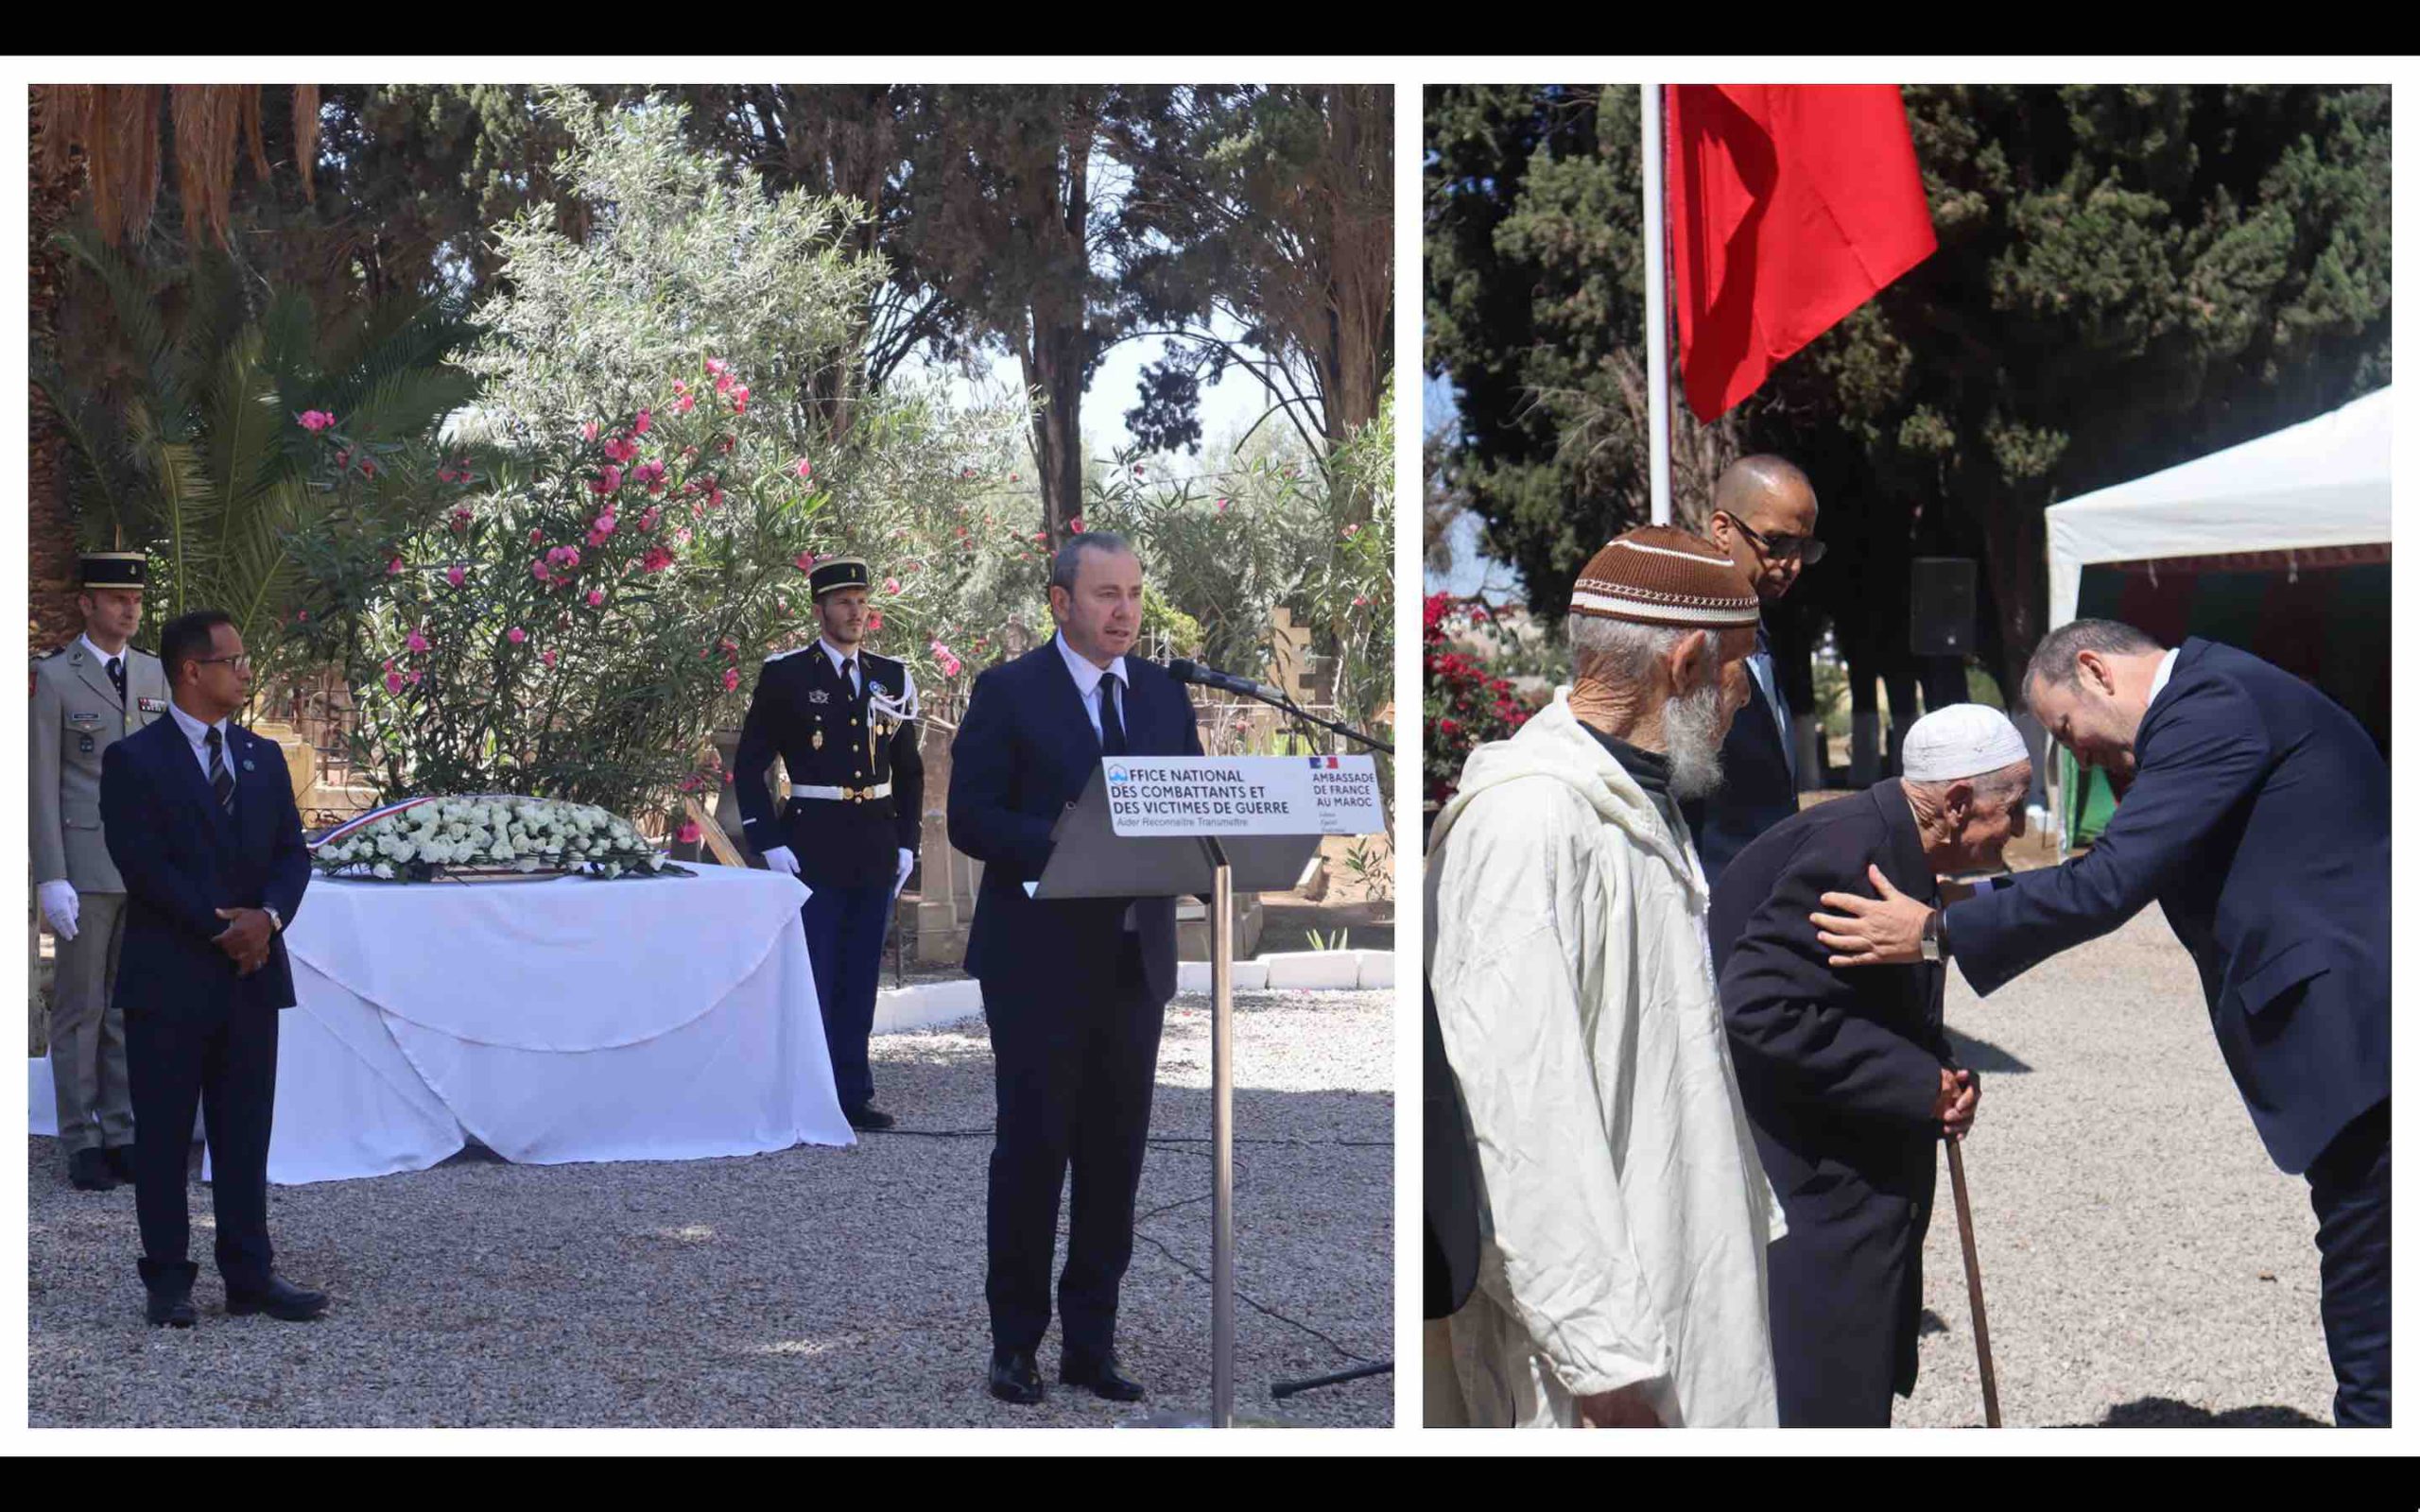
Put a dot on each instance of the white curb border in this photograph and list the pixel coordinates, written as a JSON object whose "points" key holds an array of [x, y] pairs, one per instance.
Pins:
{"points": [[931, 1004]]}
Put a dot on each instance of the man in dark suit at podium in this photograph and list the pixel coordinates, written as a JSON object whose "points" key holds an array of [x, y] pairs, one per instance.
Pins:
{"points": [[1763, 517], [198, 814], [1073, 988], [2253, 809]]}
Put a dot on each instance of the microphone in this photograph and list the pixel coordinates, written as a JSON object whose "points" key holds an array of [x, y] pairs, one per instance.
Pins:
{"points": [[1184, 670]]}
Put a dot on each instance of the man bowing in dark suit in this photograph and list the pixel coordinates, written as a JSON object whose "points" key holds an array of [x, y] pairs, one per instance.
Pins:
{"points": [[2254, 809], [1763, 517], [1073, 988], [200, 818], [1848, 1075]]}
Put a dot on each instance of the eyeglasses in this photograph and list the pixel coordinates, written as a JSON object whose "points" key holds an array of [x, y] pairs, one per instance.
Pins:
{"points": [[1804, 549], [241, 663]]}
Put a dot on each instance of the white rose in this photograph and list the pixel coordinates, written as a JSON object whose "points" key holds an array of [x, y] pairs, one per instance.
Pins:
{"points": [[525, 864], [612, 870], [382, 870]]}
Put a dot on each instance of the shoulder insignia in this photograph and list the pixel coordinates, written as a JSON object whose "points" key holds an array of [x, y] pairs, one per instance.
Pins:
{"points": [[793, 651]]}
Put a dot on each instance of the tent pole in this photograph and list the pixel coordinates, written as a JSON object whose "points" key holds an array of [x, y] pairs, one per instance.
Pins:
{"points": [[1659, 367]]}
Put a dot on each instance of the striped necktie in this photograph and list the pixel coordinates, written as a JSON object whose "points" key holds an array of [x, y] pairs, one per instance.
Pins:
{"points": [[223, 782], [117, 679]]}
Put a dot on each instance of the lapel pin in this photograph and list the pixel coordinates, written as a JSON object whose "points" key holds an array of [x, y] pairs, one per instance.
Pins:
{"points": [[248, 763]]}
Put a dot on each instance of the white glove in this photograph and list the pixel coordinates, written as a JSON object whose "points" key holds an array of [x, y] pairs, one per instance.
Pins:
{"points": [[59, 907], [907, 865], [779, 859]]}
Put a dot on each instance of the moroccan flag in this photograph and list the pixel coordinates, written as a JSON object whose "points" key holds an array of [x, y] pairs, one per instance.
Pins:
{"points": [[1789, 205]]}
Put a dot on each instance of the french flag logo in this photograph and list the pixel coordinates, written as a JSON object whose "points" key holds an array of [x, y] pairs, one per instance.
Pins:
{"points": [[1323, 763]]}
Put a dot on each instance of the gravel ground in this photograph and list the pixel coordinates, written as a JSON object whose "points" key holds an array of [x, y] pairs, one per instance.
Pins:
{"points": [[2144, 1264], [811, 1287]]}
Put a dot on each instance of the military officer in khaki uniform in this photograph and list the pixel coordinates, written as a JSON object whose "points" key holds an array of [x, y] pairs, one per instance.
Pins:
{"points": [[87, 695]]}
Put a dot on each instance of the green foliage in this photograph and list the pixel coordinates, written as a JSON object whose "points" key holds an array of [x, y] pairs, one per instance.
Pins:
{"points": [[648, 407], [191, 447], [2127, 277]]}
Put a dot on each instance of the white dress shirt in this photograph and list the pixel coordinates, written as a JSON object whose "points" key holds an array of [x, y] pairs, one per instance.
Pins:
{"points": [[1089, 679], [858, 673], [2159, 678], [197, 735], [104, 658], [1088, 685]]}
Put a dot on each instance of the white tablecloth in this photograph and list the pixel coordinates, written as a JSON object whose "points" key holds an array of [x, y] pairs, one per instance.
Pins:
{"points": [[564, 1020]]}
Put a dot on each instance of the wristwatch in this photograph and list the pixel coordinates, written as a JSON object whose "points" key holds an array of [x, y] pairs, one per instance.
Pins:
{"points": [[1935, 941], [276, 925]]}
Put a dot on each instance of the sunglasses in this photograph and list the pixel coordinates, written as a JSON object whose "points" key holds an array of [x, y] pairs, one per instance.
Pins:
{"points": [[238, 662], [1804, 549]]}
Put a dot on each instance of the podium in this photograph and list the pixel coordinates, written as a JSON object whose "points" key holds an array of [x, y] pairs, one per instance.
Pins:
{"points": [[1091, 860]]}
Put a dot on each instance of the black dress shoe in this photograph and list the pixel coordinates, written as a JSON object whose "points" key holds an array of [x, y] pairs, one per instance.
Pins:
{"points": [[167, 1288], [89, 1171], [1014, 1378], [1100, 1379], [282, 1299], [871, 1117], [121, 1163]]}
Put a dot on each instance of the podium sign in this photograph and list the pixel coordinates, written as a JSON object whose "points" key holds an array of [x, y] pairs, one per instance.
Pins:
{"points": [[1155, 796], [1156, 826]]}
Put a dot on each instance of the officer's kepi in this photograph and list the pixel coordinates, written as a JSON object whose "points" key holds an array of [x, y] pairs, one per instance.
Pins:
{"points": [[838, 572], [114, 568]]}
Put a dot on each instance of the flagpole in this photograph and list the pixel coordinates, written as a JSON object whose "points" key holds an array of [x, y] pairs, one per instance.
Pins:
{"points": [[1659, 367]]}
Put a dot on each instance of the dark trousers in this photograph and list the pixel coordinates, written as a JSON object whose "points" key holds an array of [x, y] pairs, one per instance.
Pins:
{"points": [[224, 1058], [2348, 1192], [844, 930], [1841, 1308], [1074, 1074]]}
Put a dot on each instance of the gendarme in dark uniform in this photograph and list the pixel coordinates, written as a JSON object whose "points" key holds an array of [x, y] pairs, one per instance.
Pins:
{"points": [[843, 722]]}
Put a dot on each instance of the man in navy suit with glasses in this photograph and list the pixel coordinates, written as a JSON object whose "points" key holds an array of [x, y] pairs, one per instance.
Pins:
{"points": [[1073, 988], [200, 818]]}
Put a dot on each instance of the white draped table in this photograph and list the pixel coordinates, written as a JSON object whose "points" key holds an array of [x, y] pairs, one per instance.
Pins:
{"points": [[660, 1018]]}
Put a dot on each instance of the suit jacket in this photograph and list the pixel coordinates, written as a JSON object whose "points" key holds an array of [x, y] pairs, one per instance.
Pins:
{"points": [[830, 734], [2258, 819], [184, 857], [1839, 1067], [77, 717], [1022, 756], [1756, 792]]}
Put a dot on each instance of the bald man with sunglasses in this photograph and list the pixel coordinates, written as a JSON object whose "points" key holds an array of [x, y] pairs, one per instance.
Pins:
{"points": [[1764, 519]]}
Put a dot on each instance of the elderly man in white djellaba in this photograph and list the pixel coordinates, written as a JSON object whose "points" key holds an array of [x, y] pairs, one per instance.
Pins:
{"points": [[1624, 1214]]}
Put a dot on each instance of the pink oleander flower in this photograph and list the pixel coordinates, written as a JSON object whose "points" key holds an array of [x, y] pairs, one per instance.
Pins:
{"points": [[681, 537], [536, 535], [891, 584], [414, 677], [462, 521], [639, 426], [685, 402], [1012, 477], [723, 380], [729, 646], [649, 476], [547, 655], [648, 521], [394, 683], [538, 570], [656, 560], [516, 635], [803, 468], [803, 562], [621, 449], [1222, 507], [597, 598], [874, 621], [1360, 601], [587, 432], [454, 576], [679, 386], [965, 472], [606, 481], [344, 459], [416, 642], [739, 403], [301, 616], [395, 567], [716, 367], [1138, 469], [688, 832], [315, 421], [724, 443], [1075, 524], [603, 525], [729, 680]]}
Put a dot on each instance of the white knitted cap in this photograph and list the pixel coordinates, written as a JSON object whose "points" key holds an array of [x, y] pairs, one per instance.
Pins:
{"points": [[1962, 740]]}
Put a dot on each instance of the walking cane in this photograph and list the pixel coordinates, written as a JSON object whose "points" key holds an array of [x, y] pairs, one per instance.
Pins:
{"points": [[1974, 1285]]}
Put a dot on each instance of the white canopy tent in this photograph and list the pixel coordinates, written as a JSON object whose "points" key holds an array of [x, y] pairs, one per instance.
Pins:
{"points": [[2324, 483]]}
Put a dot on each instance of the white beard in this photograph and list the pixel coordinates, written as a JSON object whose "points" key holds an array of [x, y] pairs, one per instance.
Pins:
{"points": [[1693, 742]]}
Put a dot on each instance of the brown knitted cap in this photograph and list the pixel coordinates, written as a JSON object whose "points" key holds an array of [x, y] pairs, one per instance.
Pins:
{"points": [[1662, 575]]}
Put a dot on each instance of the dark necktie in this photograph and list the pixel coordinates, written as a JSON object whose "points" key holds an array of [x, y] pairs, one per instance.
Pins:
{"points": [[1113, 728], [117, 679], [223, 782], [849, 675]]}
